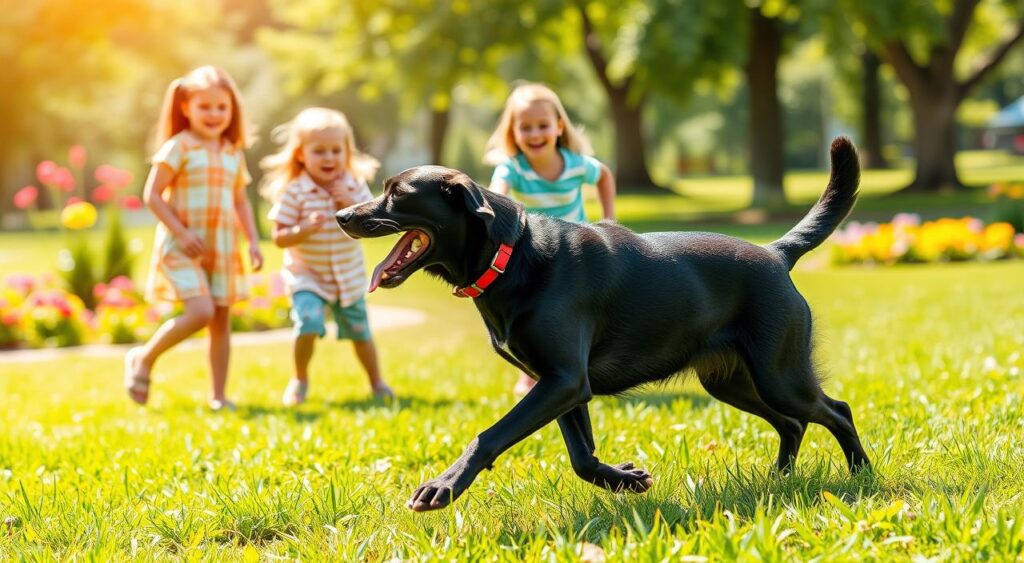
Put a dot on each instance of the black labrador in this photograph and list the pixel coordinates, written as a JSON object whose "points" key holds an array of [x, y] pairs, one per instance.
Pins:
{"points": [[598, 309]]}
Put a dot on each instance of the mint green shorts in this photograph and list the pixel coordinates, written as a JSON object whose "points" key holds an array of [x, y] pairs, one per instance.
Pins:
{"points": [[309, 312]]}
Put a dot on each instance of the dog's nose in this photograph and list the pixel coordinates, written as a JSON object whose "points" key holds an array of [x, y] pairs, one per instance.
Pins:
{"points": [[344, 216]]}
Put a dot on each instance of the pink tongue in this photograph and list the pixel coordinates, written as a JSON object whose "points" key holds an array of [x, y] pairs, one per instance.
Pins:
{"points": [[392, 257], [375, 279]]}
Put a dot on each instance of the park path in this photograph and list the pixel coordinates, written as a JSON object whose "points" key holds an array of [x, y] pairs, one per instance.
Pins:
{"points": [[381, 319]]}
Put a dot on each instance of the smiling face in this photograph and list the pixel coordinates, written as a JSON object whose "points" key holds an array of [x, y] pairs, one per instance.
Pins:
{"points": [[209, 112], [323, 155], [536, 128]]}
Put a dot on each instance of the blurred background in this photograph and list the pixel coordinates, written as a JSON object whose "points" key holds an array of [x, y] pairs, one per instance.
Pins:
{"points": [[667, 89]]}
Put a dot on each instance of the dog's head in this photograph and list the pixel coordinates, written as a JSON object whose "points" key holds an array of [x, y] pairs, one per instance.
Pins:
{"points": [[446, 220]]}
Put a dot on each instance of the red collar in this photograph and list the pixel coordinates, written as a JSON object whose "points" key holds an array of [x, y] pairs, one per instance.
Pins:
{"points": [[497, 267]]}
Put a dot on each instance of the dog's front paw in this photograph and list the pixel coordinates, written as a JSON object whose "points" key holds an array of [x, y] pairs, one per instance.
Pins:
{"points": [[624, 477], [434, 494]]}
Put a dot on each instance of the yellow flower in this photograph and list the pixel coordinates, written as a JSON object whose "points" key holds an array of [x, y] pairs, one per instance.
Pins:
{"points": [[78, 215]]}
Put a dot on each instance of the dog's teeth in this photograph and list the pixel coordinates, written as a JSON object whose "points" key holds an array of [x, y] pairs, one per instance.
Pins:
{"points": [[384, 276], [408, 253]]}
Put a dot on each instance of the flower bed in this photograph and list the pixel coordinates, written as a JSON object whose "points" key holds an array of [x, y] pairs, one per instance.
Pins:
{"points": [[907, 240], [39, 313]]}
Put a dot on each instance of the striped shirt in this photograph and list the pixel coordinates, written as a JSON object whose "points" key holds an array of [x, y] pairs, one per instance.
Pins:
{"points": [[562, 198], [202, 194], [328, 262]]}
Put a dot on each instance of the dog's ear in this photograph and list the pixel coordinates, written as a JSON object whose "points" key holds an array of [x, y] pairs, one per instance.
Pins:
{"points": [[472, 195], [503, 218]]}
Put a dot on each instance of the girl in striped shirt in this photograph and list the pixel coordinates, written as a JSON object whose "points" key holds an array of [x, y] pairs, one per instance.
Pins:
{"points": [[543, 161], [317, 172]]}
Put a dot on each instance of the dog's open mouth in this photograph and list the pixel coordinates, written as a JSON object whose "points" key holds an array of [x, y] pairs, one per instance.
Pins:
{"points": [[400, 261]]}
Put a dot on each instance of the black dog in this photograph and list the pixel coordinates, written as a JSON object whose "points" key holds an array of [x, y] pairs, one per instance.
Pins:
{"points": [[598, 309]]}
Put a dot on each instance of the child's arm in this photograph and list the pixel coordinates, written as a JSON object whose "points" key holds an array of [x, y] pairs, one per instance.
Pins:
{"points": [[243, 210], [290, 235], [160, 176], [606, 192]]}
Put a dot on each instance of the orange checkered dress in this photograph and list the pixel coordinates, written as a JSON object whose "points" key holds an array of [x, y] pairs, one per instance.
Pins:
{"points": [[202, 195]]}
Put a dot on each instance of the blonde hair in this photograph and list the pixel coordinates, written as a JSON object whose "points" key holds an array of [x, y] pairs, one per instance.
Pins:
{"points": [[502, 143], [284, 166], [172, 117]]}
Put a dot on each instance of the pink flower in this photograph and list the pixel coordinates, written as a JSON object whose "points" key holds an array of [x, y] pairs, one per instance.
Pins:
{"points": [[276, 285], [73, 200], [45, 171], [99, 289], [63, 179], [112, 176], [103, 194], [26, 197], [124, 283], [1019, 241], [77, 156], [131, 203]]}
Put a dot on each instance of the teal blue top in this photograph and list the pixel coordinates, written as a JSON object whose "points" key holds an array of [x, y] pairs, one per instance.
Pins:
{"points": [[562, 198]]}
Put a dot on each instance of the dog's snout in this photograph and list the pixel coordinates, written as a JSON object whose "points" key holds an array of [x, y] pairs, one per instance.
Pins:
{"points": [[344, 216]]}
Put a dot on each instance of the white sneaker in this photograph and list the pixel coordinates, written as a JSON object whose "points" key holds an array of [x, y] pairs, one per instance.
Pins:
{"points": [[295, 393]]}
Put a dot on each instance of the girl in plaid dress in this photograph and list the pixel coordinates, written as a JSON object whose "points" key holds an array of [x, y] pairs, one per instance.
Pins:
{"points": [[196, 189], [317, 172]]}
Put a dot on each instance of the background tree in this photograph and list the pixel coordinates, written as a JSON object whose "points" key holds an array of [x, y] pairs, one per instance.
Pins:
{"points": [[416, 51], [923, 42], [658, 47], [93, 75]]}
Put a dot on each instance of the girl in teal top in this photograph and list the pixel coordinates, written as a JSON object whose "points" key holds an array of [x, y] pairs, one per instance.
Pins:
{"points": [[543, 161]]}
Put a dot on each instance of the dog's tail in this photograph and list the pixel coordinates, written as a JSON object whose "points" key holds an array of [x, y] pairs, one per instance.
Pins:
{"points": [[832, 207]]}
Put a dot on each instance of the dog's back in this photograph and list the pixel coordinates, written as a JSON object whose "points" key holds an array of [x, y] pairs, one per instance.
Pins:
{"points": [[680, 296]]}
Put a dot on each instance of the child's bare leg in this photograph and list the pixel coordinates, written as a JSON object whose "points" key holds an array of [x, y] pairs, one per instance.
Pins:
{"points": [[197, 314], [366, 351], [304, 345], [220, 351]]}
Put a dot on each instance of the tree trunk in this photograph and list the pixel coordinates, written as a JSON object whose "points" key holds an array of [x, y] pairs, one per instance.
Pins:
{"points": [[766, 135], [871, 99], [630, 153], [438, 131], [935, 141], [630, 149]]}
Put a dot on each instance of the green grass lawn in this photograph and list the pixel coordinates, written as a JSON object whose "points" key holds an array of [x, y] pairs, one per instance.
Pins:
{"points": [[929, 357]]}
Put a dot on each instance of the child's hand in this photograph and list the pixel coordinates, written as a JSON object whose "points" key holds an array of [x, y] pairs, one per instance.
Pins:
{"points": [[190, 243], [255, 257], [314, 220], [343, 194]]}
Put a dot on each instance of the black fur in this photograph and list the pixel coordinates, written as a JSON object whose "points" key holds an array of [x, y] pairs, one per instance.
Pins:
{"points": [[598, 309]]}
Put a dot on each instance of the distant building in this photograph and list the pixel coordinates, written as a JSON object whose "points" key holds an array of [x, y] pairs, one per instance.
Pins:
{"points": [[1006, 130]]}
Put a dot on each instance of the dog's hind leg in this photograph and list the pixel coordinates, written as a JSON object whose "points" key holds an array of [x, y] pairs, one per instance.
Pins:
{"points": [[730, 383], [796, 393], [579, 439]]}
